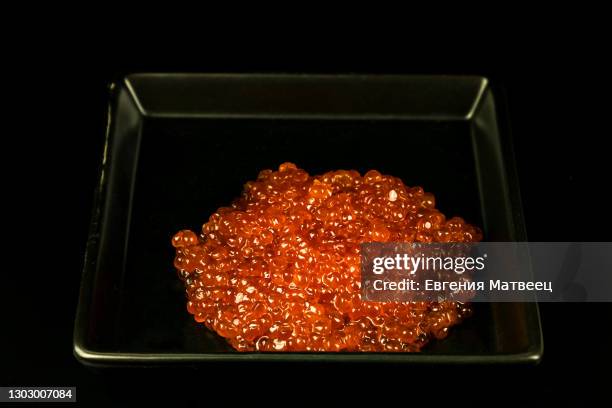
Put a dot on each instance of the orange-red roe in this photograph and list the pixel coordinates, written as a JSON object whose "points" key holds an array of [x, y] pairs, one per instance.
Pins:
{"points": [[279, 270]]}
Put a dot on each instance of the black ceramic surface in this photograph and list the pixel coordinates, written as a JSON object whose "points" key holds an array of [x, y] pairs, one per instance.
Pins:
{"points": [[180, 146]]}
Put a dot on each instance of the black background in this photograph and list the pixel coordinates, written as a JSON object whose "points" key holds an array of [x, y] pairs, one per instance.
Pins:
{"points": [[557, 106]]}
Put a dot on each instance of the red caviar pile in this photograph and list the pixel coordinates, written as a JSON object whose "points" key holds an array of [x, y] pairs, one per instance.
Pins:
{"points": [[279, 270]]}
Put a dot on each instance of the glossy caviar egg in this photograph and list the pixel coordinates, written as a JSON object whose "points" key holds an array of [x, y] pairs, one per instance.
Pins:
{"points": [[279, 269]]}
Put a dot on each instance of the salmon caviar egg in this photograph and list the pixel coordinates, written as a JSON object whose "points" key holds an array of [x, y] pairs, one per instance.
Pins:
{"points": [[184, 238]]}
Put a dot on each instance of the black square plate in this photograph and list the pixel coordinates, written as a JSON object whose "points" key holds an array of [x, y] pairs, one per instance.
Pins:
{"points": [[181, 145]]}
